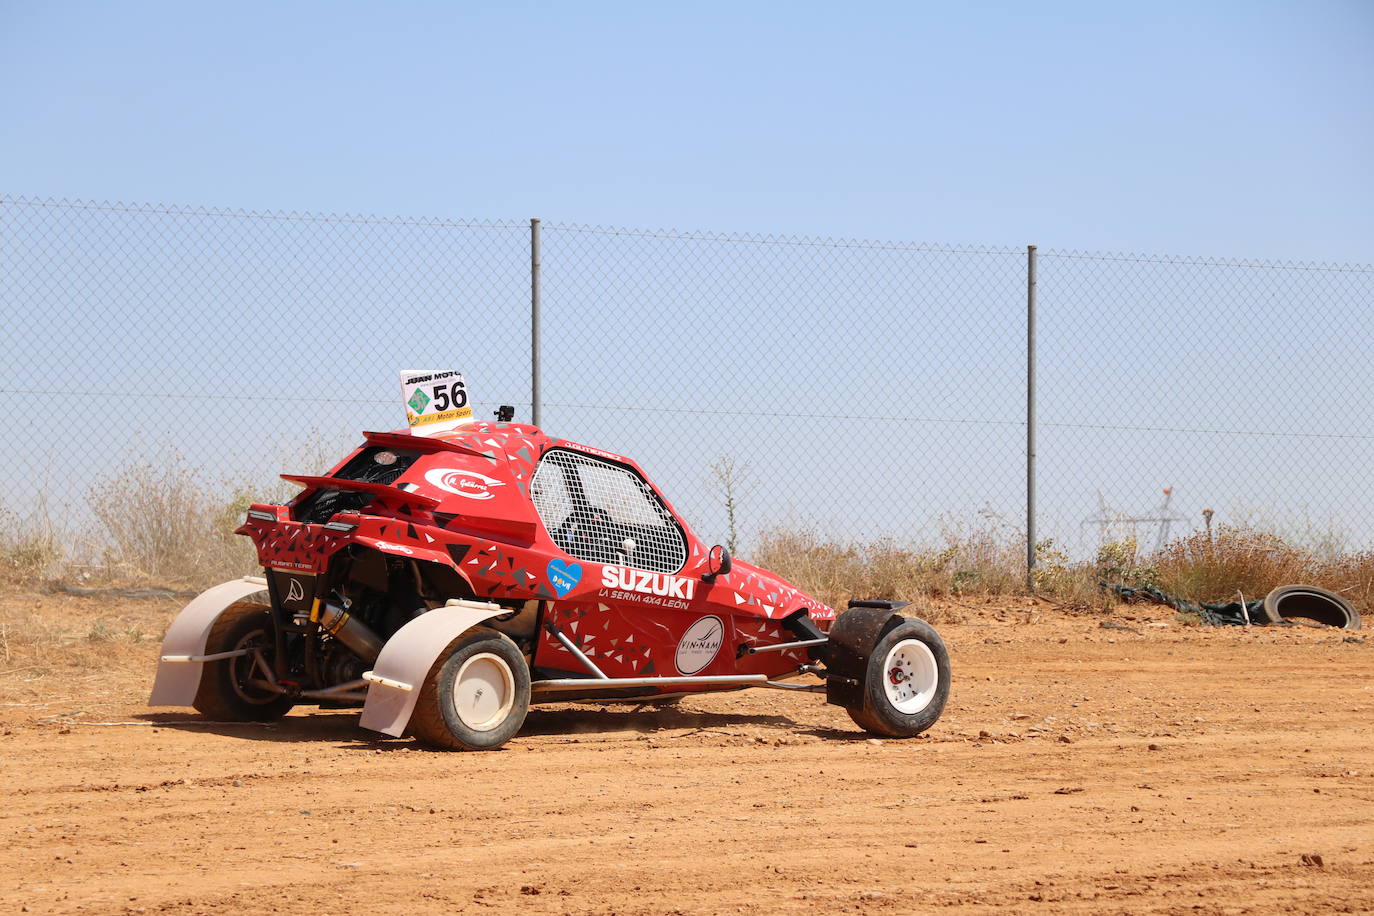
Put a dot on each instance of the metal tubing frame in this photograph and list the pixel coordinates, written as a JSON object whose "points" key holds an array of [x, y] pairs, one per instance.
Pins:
{"points": [[345, 688], [597, 673], [599, 680], [535, 270], [595, 683], [373, 677], [349, 690], [778, 647], [213, 657], [1030, 417], [804, 688], [354, 697]]}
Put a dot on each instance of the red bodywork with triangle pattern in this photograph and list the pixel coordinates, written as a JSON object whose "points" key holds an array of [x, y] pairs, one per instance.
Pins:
{"points": [[565, 538]]}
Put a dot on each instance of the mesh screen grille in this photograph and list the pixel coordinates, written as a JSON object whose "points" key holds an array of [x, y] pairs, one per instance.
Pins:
{"points": [[604, 513], [378, 465]]}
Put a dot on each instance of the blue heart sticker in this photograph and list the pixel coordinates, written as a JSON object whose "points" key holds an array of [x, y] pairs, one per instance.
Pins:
{"points": [[564, 576]]}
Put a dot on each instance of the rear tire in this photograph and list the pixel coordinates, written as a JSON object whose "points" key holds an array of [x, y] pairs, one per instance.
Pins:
{"points": [[476, 695], [223, 693], [906, 683]]}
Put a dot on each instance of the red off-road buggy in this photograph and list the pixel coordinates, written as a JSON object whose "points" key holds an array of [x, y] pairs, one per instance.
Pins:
{"points": [[445, 582]]}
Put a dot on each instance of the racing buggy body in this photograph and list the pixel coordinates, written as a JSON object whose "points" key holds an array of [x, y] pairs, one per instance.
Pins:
{"points": [[444, 582]]}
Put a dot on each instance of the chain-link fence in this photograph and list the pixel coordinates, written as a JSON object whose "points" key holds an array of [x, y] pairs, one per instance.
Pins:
{"points": [[1175, 385], [862, 390], [237, 343], [858, 389]]}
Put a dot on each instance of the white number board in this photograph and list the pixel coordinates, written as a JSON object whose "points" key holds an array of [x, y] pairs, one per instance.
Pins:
{"points": [[436, 400]]}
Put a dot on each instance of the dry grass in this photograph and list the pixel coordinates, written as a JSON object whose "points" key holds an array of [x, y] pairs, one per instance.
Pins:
{"points": [[1206, 567], [1200, 567], [30, 547], [157, 522], [975, 563], [160, 523]]}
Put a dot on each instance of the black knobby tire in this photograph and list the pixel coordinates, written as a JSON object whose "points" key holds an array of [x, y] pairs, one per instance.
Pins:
{"points": [[908, 658], [223, 693], [476, 695]]}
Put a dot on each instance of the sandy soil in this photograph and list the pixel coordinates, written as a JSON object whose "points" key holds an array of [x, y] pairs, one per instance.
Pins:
{"points": [[1162, 769]]}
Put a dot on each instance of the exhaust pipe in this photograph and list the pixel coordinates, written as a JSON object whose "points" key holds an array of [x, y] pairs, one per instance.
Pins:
{"points": [[350, 631]]}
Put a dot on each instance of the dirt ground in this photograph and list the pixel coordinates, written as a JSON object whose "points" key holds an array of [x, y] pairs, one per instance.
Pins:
{"points": [[1156, 769]]}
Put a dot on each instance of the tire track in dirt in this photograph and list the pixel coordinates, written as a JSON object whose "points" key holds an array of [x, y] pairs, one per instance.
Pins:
{"points": [[1179, 771]]}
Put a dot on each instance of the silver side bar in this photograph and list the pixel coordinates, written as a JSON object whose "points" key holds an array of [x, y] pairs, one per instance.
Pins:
{"points": [[205, 658], [778, 647], [804, 688], [356, 697], [557, 634], [603, 682], [345, 690], [350, 690]]}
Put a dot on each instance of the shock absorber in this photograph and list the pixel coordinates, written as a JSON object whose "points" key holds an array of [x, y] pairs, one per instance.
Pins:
{"points": [[347, 629]]}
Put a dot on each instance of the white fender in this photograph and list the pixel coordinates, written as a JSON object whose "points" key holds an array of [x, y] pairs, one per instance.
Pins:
{"points": [[183, 648], [395, 680]]}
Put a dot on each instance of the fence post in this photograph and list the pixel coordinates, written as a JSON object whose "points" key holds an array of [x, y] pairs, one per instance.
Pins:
{"points": [[534, 321], [1030, 417]]}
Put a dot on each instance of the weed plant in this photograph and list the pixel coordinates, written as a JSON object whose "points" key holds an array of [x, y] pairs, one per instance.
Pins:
{"points": [[1204, 566], [159, 523]]}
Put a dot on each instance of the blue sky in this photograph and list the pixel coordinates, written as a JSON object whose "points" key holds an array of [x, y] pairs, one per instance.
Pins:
{"points": [[1225, 128], [1221, 129]]}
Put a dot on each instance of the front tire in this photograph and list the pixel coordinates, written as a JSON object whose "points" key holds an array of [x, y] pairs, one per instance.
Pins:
{"points": [[476, 695], [906, 682], [224, 693]]}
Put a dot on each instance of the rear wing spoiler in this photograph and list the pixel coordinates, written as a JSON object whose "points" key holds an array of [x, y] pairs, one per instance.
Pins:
{"points": [[427, 503]]}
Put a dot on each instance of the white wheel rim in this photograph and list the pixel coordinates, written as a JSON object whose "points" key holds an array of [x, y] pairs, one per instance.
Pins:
{"points": [[484, 692], [910, 676]]}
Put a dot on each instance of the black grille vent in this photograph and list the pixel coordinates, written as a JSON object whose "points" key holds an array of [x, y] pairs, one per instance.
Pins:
{"points": [[366, 466], [322, 505]]}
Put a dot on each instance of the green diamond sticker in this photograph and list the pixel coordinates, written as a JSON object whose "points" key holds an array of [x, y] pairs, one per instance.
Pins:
{"points": [[419, 401]]}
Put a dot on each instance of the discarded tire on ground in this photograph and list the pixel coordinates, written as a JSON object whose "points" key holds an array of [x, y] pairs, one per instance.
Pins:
{"points": [[1285, 604], [1307, 602]]}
